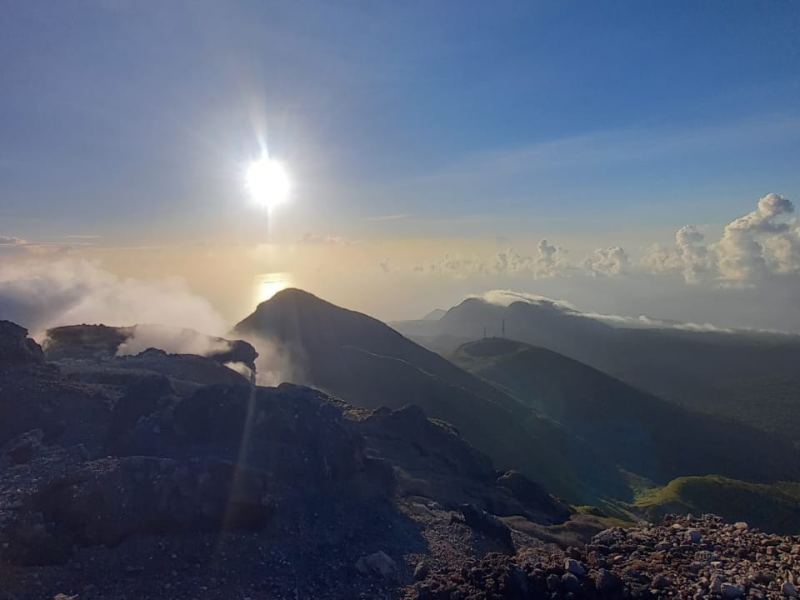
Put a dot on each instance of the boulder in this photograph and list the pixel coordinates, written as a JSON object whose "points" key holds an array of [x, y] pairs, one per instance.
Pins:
{"points": [[732, 590], [16, 348], [23, 447], [487, 523], [378, 563], [574, 567], [534, 497]]}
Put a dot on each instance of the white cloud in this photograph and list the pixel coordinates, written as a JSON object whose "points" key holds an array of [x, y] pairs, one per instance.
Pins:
{"points": [[547, 262], [752, 247], [607, 261], [507, 297]]}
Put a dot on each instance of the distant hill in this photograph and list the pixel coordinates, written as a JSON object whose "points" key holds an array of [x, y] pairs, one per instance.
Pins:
{"points": [[774, 508], [642, 433], [749, 376], [367, 363], [435, 314]]}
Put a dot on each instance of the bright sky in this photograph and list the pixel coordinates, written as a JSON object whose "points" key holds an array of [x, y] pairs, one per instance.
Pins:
{"points": [[431, 146]]}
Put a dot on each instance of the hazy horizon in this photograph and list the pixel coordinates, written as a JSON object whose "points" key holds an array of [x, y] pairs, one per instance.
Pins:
{"points": [[630, 159]]}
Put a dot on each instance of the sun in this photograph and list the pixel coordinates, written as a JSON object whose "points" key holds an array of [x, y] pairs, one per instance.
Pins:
{"points": [[268, 182]]}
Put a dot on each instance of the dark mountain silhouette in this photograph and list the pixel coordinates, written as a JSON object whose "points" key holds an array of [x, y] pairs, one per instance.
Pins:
{"points": [[367, 363], [748, 376], [281, 489], [642, 433]]}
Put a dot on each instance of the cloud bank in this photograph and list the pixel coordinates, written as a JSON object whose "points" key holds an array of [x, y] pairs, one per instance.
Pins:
{"points": [[760, 245]]}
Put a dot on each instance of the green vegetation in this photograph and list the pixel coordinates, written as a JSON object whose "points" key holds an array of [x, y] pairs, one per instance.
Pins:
{"points": [[652, 440], [771, 507]]}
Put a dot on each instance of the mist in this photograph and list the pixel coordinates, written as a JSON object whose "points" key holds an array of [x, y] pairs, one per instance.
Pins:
{"points": [[39, 294]]}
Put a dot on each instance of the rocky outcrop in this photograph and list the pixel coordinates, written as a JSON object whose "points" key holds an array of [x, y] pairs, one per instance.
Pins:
{"points": [[647, 561], [81, 348], [16, 348], [106, 501]]}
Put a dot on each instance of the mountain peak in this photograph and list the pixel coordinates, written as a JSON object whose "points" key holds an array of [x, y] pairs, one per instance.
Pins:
{"points": [[290, 296]]}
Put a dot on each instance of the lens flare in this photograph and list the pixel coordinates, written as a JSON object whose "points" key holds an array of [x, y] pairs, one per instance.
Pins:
{"points": [[268, 182]]}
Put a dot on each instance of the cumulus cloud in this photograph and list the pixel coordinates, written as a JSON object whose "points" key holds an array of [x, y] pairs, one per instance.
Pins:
{"points": [[546, 262], [607, 261], [740, 253], [689, 256], [454, 265], [40, 294], [752, 247]]}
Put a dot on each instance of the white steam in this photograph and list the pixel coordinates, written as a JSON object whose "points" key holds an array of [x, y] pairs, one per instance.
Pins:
{"points": [[276, 363], [173, 340], [39, 295]]}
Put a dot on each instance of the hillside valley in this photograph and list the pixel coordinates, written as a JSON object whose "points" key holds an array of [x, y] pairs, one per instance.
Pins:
{"points": [[383, 470]]}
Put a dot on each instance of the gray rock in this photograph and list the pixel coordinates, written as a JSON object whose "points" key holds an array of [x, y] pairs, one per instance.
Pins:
{"points": [[22, 448], [553, 582], [378, 563], [574, 567], [694, 536], [570, 583], [660, 582], [606, 581], [487, 523], [421, 571], [732, 590], [788, 590]]}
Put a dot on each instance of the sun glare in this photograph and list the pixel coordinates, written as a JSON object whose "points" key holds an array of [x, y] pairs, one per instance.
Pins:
{"points": [[268, 182], [269, 284]]}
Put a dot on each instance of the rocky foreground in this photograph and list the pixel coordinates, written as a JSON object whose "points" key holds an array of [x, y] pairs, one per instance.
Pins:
{"points": [[171, 476], [682, 558]]}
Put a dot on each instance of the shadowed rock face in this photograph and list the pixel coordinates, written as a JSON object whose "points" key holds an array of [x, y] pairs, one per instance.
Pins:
{"points": [[16, 348], [96, 464]]}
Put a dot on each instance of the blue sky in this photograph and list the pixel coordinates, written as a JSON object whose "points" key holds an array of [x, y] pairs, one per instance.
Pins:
{"points": [[121, 113], [455, 128]]}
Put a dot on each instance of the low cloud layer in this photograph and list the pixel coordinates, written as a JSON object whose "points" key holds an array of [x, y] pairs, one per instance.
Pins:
{"points": [[42, 294], [507, 297]]}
